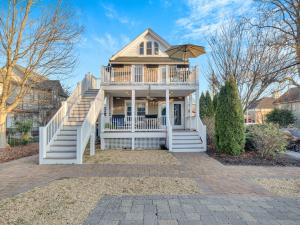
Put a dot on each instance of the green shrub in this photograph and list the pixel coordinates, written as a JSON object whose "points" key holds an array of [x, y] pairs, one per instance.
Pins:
{"points": [[267, 139], [206, 106], [229, 121], [282, 117], [210, 129], [24, 128]]}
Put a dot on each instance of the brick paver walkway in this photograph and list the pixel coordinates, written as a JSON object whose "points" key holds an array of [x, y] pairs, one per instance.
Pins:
{"points": [[213, 178], [195, 210], [229, 195]]}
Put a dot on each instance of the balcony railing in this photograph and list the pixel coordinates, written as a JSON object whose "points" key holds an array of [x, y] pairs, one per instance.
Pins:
{"points": [[152, 75], [141, 123]]}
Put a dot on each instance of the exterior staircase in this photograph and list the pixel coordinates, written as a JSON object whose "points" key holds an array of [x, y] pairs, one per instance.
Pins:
{"points": [[187, 141], [64, 139], [63, 147]]}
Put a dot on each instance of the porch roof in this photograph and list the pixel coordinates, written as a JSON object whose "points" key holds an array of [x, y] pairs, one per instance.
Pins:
{"points": [[147, 60]]}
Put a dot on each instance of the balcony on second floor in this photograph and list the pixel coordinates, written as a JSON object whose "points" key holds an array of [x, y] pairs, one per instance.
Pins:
{"points": [[149, 74]]}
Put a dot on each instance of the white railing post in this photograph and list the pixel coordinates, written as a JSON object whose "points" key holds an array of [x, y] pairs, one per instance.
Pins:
{"points": [[92, 141], [167, 105], [132, 72], [79, 146], [42, 144], [197, 103], [167, 74], [102, 127]]}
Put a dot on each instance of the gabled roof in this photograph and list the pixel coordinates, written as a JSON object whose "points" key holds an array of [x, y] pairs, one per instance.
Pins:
{"points": [[263, 103], [292, 95], [144, 33]]}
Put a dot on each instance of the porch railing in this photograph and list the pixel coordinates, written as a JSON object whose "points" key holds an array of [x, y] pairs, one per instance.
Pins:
{"points": [[142, 123], [143, 74]]}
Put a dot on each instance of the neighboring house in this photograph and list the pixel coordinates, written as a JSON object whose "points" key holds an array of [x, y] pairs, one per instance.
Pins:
{"points": [[39, 104], [144, 100], [257, 111], [290, 100]]}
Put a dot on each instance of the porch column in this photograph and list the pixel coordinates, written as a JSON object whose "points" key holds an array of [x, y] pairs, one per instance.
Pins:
{"points": [[197, 107], [186, 111], [132, 116], [167, 106]]}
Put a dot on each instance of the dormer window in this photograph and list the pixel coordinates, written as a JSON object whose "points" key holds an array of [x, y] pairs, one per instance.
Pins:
{"points": [[142, 48], [149, 48], [155, 48]]}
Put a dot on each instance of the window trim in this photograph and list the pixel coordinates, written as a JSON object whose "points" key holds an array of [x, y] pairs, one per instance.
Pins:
{"points": [[136, 101], [154, 48], [151, 47], [142, 47]]}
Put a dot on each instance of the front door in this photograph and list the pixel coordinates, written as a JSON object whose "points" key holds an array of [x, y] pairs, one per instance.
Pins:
{"points": [[178, 115]]}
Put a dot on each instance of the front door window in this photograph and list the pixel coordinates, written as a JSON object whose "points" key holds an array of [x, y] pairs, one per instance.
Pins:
{"points": [[177, 114]]}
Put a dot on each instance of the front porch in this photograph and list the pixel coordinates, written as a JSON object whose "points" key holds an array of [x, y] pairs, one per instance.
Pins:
{"points": [[144, 119]]}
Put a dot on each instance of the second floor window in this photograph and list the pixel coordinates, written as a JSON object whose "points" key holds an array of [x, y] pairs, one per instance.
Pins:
{"points": [[155, 48], [142, 48], [149, 48]]}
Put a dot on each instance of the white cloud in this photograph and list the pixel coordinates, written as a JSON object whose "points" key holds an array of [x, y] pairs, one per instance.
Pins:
{"points": [[110, 44], [206, 16], [112, 13]]}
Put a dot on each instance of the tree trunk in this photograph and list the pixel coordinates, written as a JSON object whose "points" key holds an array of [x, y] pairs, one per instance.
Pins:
{"points": [[3, 143]]}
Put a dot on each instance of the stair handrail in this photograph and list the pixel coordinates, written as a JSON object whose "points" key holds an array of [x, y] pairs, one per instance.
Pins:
{"points": [[48, 132], [84, 131], [201, 129], [169, 135]]}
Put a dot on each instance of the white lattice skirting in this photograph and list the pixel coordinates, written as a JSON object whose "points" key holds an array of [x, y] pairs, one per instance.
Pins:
{"points": [[140, 143]]}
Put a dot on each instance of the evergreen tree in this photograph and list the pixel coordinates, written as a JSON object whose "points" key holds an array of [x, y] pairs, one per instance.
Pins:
{"points": [[215, 102], [229, 122], [202, 106], [209, 105]]}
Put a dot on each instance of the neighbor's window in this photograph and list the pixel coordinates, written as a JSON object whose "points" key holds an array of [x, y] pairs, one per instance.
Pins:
{"points": [[155, 48], [142, 48], [149, 48]]}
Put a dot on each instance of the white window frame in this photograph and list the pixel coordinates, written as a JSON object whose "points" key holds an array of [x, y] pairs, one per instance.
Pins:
{"points": [[143, 44], [149, 48], [136, 101]]}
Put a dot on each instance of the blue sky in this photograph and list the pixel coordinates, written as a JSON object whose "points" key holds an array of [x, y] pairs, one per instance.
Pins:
{"points": [[109, 25]]}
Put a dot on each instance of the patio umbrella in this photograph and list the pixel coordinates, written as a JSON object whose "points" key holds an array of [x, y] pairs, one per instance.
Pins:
{"points": [[185, 51]]}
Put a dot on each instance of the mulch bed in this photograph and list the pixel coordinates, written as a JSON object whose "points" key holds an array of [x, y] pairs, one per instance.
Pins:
{"points": [[17, 152], [251, 158]]}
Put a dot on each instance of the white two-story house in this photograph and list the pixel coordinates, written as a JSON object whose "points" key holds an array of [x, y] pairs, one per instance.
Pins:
{"points": [[143, 100]]}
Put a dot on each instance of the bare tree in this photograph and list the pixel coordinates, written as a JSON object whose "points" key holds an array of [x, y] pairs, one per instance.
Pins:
{"points": [[244, 52], [283, 17], [39, 37]]}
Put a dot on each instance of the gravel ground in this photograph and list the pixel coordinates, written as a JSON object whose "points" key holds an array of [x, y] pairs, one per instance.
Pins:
{"points": [[138, 157], [282, 187], [69, 201]]}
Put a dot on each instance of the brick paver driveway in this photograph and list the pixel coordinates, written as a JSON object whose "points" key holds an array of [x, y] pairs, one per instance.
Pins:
{"points": [[229, 194]]}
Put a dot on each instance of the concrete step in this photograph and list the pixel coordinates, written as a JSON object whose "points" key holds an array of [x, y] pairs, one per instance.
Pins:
{"points": [[189, 149]]}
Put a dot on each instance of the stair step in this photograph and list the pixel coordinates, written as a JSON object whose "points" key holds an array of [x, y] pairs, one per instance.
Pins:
{"points": [[72, 123], [67, 132], [187, 141], [75, 119], [193, 137], [61, 154], [64, 142], [185, 146], [185, 133], [189, 150], [66, 137], [59, 161], [63, 148]]}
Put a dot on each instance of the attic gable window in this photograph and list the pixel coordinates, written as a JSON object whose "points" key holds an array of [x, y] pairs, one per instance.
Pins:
{"points": [[155, 48], [142, 48], [149, 48]]}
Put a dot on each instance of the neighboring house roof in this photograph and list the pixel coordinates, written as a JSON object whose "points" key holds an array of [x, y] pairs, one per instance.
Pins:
{"points": [[292, 95], [263, 103], [50, 85], [150, 60]]}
